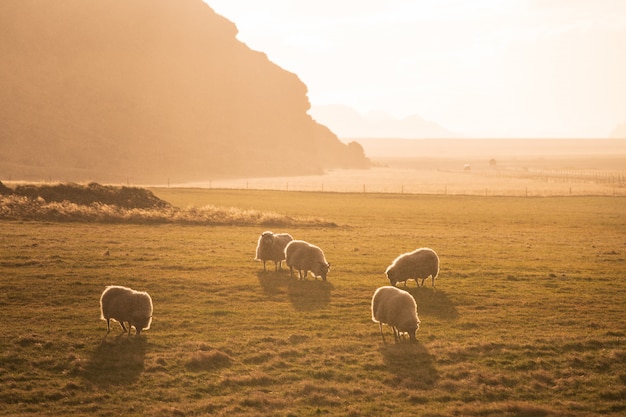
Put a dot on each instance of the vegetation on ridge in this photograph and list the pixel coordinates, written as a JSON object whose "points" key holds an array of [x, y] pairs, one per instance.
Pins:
{"points": [[110, 204]]}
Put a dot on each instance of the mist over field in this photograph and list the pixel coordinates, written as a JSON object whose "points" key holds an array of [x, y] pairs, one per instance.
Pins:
{"points": [[521, 167]]}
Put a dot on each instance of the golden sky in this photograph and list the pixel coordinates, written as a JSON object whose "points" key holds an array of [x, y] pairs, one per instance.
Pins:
{"points": [[483, 68]]}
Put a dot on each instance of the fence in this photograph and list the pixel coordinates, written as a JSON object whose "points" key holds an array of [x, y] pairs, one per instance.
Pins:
{"points": [[531, 183]]}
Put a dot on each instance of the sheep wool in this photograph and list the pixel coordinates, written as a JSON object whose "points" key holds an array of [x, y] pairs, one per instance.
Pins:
{"points": [[305, 257], [419, 264], [126, 305], [271, 247], [397, 309]]}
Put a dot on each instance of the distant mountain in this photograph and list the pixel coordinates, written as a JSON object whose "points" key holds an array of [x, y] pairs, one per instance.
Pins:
{"points": [[619, 132], [348, 123], [148, 91]]}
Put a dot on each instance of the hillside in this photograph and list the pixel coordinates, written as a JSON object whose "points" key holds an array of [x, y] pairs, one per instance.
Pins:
{"points": [[148, 91]]}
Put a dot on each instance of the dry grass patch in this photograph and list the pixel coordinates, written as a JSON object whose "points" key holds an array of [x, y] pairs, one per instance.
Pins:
{"points": [[208, 361], [109, 204]]}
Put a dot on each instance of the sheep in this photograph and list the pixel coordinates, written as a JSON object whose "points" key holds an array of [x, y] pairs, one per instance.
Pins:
{"points": [[306, 257], [396, 308], [419, 264], [126, 305], [271, 247]]}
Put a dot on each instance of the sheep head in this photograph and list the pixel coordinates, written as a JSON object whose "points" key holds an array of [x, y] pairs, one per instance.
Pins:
{"points": [[322, 270], [392, 276], [141, 322], [267, 239]]}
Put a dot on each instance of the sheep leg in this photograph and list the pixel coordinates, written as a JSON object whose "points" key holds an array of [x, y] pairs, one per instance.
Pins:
{"points": [[381, 332], [264, 270], [396, 334], [290, 271], [123, 327], [108, 326], [423, 279]]}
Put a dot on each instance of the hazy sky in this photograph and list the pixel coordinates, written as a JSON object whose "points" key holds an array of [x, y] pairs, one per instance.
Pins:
{"points": [[519, 68]]}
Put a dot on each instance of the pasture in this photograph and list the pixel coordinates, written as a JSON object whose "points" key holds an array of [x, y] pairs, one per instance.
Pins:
{"points": [[528, 317]]}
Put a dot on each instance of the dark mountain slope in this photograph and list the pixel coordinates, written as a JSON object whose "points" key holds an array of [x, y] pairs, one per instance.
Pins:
{"points": [[148, 90]]}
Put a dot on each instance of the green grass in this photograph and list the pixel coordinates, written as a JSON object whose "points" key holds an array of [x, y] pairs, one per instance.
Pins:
{"points": [[528, 317]]}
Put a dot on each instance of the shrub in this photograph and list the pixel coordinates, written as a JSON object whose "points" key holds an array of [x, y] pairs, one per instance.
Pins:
{"points": [[108, 204]]}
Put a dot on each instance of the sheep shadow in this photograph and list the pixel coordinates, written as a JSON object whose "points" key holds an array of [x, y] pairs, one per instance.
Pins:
{"points": [[117, 361], [305, 295], [433, 303], [309, 295], [273, 283], [411, 365]]}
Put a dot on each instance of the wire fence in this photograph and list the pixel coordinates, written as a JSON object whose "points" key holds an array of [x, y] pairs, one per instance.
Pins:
{"points": [[526, 183]]}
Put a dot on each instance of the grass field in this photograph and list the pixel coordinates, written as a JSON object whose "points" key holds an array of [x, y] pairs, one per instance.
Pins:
{"points": [[528, 318]]}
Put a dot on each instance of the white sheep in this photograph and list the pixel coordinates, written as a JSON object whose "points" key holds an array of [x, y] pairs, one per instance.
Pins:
{"points": [[126, 305], [271, 247], [306, 257], [396, 308], [419, 264]]}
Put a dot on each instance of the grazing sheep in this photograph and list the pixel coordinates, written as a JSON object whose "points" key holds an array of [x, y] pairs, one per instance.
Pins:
{"points": [[419, 264], [396, 308], [126, 305], [271, 247], [305, 257]]}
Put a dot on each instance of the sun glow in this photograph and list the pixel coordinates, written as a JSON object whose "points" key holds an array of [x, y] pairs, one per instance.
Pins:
{"points": [[482, 68]]}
